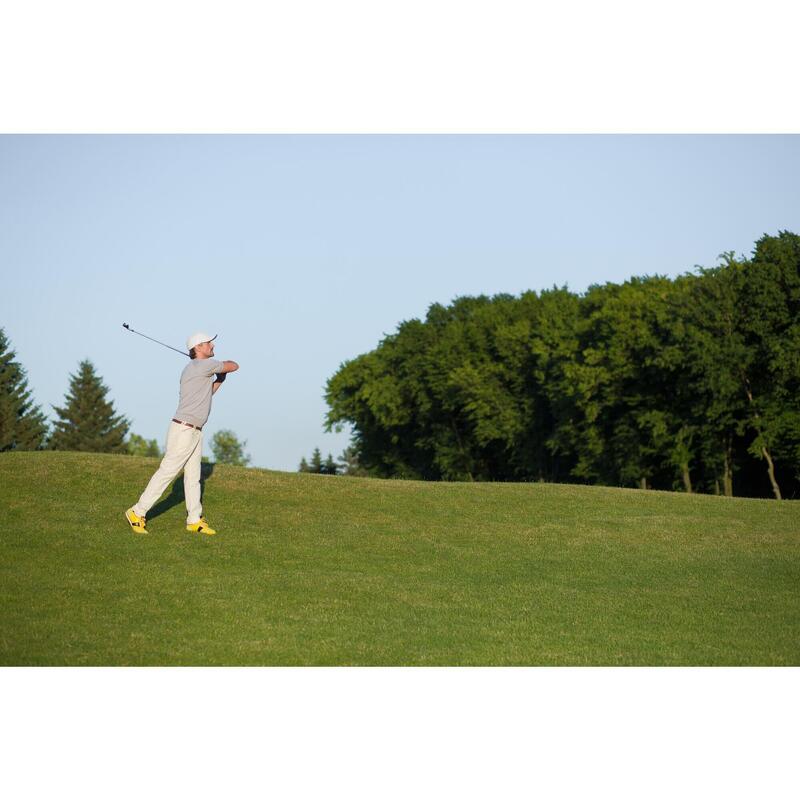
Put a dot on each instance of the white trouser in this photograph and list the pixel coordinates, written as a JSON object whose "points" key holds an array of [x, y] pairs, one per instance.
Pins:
{"points": [[184, 451]]}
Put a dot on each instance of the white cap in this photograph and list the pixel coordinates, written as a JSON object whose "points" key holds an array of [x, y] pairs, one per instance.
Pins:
{"points": [[199, 338]]}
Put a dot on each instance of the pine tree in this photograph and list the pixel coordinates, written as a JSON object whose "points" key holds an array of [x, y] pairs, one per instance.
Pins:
{"points": [[316, 461], [22, 424], [330, 467], [87, 422], [303, 465], [349, 464]]}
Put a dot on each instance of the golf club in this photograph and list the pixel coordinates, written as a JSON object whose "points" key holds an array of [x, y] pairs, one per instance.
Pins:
{"points": [[128, 328]]}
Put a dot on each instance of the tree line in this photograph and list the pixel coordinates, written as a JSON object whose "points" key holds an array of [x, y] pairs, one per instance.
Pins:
{"points": [[86, 422], [347, 464], [688, 384]]}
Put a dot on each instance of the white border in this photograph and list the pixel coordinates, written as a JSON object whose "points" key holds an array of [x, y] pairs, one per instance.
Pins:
{"points": [[398, 733], [368, 66]]}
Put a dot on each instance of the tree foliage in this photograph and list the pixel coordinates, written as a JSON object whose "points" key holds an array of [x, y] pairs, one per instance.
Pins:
{"points": [[88, 421], [139, 446], [22, 424], [689, 384], [228, 449], [319, 467]]}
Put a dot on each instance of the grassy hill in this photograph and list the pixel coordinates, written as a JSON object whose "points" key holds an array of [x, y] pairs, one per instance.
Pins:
{"points": [[309, 569]]}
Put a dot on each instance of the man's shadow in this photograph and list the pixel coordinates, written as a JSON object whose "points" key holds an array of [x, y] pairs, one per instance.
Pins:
{"points": [[177, 495]]}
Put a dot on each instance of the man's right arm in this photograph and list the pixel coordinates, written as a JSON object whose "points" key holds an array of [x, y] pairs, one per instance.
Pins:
{"points": [[229, 366]]}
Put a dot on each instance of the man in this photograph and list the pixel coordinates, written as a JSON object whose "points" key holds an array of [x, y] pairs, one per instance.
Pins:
{"points": [[185, 436]]}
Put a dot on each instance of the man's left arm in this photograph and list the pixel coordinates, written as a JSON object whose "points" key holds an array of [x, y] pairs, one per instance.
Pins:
{"points": [[220, 377]]}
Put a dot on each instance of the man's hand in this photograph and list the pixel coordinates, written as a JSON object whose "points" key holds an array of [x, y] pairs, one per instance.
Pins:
{"points": [[227, 366]]}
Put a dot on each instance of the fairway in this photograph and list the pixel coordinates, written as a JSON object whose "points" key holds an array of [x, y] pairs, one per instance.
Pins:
{"points": [[316, 570]]}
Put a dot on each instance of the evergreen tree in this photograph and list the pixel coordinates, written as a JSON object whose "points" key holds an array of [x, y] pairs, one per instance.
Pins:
{"points": [[318, 466], [22, 424], [228, 449], [349, 463], [330, 467], [88, 422]]}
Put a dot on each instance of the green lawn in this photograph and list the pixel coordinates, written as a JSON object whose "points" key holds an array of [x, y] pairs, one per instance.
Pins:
{"points": [[309, 569]]}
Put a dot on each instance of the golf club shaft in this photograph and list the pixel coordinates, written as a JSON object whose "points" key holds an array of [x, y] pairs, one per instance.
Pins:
{"points": [[128, 328]]}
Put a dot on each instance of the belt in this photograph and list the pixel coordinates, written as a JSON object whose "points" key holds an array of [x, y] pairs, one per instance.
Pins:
{"points": [[187, 424]]}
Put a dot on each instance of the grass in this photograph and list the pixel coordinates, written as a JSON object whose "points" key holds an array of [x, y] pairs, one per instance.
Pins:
{"points": [[310, 569]]}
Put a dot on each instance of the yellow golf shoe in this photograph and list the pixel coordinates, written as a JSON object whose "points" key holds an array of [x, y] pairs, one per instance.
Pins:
{"points": [[137, 523], [201, 527]]}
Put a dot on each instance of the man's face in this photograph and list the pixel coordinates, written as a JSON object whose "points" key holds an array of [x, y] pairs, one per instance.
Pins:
{"points": [[205, 349]]}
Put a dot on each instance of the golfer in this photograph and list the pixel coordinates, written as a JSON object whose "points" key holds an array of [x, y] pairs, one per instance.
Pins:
{"points": [[202, 377]]}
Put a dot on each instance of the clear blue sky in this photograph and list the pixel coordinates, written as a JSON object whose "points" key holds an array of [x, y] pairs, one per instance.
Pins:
{"points": [[304, 251]]}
